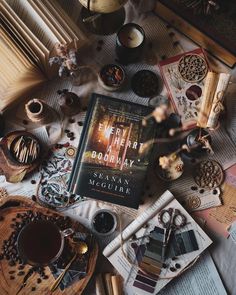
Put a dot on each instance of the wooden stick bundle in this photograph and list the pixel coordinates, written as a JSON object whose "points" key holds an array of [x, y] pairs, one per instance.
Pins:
{"points": [[108, 284]]}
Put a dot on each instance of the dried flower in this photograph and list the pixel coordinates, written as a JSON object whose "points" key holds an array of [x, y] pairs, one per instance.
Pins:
{"points": [[164, 162], [160, 113], [206, 143], [66, 58]]}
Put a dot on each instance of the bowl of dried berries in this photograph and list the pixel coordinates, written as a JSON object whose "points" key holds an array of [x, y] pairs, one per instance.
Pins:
{"points": [[111, 77]]}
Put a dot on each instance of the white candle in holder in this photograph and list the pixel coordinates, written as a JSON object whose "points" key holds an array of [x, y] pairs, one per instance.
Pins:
{"points": [[129, 43], [131, 37]]}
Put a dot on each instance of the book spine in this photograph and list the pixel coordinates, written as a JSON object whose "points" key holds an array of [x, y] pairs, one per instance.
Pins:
{"points": [[142, 219], [77, 162], [196, 35]]}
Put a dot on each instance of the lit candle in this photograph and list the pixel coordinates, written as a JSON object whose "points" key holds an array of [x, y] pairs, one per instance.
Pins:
{"points": [[129, 43]]}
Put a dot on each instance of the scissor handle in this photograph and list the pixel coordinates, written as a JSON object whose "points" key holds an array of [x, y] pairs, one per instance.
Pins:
{"points": [[179, 219], [174, 218], [167, 213]]}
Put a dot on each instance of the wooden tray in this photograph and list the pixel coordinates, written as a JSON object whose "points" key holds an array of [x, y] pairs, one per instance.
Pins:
{"points": [[9, 208]]}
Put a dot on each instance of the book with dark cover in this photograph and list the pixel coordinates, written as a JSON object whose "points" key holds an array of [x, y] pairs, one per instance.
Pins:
{"points": [[108, 165], [214, 32]]}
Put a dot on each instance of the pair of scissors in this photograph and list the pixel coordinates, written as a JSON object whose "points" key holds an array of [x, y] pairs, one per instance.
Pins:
{"points": [[171, 220]]}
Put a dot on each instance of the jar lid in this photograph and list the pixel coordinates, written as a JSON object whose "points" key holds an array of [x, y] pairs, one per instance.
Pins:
{"points": [[145, 83]]}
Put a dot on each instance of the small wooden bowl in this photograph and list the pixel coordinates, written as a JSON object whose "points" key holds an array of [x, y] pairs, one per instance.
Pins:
{"points": [[111, 77]]}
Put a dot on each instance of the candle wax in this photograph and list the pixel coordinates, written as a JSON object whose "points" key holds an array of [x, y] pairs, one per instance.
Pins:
{"points": [[130, 37]]}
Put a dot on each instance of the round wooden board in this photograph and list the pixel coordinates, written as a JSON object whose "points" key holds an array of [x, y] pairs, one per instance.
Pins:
{"points": [[9, 210]]}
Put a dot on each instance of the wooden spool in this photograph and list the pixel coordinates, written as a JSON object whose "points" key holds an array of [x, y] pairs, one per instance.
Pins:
{"points": [[9, 208]]}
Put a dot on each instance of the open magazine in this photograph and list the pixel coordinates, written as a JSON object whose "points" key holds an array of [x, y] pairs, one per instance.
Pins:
{"points": [[187, 244]]}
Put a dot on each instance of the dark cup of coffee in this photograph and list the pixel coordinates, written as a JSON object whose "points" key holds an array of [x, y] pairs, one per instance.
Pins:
{"points": [[41, 242]]}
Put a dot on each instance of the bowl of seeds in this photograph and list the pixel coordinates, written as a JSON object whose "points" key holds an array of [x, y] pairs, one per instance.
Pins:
{"points": [[111, 77]]}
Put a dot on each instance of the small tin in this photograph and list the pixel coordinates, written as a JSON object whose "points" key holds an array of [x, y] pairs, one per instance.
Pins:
{"points": [[104, 222], [145, 83]]}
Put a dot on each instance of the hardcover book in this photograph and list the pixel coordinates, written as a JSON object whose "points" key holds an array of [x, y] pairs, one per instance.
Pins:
{"points": [[108, 165], [214, 32]]}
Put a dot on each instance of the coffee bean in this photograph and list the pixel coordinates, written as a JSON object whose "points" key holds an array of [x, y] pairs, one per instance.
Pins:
{"points": [[21, 273], [177, 265], [39, 280], [66, 130], [164, 265], [72, 134], [171, 34], [33, 289], [11, 272], [12, 277], [33, 181], [33, 197], [21, 267], [71, 120], [80, 123], [174, 258], [11, 263]]}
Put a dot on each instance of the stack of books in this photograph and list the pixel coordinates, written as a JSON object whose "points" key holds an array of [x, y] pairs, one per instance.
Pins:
{"points": [[35, 27]]}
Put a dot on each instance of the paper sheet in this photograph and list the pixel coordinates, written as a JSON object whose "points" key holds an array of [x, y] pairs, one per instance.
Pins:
{"points": [[232, 231], [203, 278], [220, 218], [224, 148], [230, 100]]}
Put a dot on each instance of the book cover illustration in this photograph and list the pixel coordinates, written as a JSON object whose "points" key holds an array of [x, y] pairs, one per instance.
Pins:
{"points": [[186, 97], [108, 165]]}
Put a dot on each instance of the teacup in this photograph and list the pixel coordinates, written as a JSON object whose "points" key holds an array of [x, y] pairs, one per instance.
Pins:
{"points": [[41, 242]]}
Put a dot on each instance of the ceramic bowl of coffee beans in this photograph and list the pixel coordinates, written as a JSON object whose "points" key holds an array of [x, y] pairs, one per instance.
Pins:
{"points": [[111, 77]]}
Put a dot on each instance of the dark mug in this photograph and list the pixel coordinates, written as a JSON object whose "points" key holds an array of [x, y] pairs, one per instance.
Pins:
{"points": [[41, 242]]}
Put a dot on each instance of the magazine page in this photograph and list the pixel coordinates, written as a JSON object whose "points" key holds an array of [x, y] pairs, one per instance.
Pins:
{"points": [[138, 282], [139, 222], [202, 279]]}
